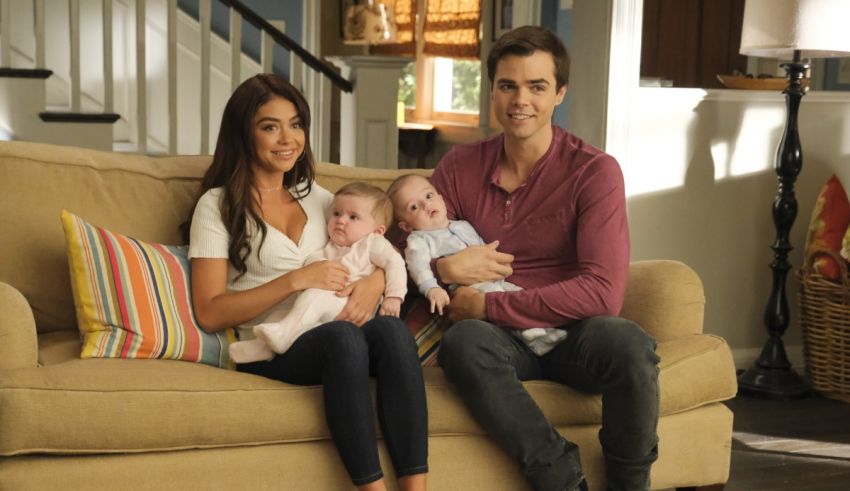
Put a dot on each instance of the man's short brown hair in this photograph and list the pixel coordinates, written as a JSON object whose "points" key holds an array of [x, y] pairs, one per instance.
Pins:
{"points": [[525, 40], [382, 208]]}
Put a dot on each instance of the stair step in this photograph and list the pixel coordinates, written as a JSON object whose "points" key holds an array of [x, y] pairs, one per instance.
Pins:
{"points": [[25, 72], [72, 117]]}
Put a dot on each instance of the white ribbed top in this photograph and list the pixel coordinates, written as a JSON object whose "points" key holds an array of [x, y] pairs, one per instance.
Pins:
{"points": [[279, 254]]}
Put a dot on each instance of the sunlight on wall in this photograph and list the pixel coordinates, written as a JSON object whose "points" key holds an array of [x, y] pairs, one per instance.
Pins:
{"points": [[676, 133], [658, 152], [720, 153], [744, 138]]}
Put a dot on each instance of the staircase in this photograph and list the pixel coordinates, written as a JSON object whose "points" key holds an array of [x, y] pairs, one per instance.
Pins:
{"points": [[140, 76]]}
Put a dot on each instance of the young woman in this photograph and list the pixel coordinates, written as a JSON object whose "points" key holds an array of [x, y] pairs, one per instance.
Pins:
{"points": [[260, 215]]}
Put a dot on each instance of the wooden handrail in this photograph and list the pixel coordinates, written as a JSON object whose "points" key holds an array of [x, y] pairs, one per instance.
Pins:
{"points": [[288, 43]]}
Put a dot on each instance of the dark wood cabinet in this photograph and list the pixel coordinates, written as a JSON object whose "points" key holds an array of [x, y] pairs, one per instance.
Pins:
{"points": [[691, 41]]}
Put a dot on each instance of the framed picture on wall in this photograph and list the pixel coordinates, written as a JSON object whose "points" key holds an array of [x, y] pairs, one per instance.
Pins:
{"points": [[503, 13], [837, 74]]}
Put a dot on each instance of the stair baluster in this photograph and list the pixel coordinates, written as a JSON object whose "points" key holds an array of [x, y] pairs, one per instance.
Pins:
{"points": [[141, 79], [5, 34], [311, 75], [74, 45], [172, 76]]}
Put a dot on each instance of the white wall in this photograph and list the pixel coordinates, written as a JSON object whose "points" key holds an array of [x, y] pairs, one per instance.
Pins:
{"points": [[699, 176], [700, 180]]}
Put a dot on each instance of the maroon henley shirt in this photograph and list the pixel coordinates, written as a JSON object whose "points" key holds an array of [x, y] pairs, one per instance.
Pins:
{"points": [[566, 226]]}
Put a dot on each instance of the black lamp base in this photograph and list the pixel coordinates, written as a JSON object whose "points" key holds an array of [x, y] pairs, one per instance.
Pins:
{"points": [[771, 375], [773, 383]]}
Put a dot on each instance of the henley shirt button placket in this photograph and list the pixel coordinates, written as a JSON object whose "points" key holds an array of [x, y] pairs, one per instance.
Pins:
{"points": [[508, 210]]}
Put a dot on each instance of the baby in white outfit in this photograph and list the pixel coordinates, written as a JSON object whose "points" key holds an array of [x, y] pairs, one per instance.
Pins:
{"points": [[360, 214]]}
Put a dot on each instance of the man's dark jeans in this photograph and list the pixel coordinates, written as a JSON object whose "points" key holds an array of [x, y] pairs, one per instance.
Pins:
{"points": [[340, 356], [607, 355]]}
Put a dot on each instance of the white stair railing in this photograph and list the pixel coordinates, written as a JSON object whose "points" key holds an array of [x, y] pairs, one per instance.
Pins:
{"points": [[108, 74], [141, 79], [235, 40], [313, 76], [205, 18], [39, 33], [74, 28], [172, 76], [5, 34]]}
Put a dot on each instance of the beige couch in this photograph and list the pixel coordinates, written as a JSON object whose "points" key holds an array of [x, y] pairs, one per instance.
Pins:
{"points": [[67, 423]]}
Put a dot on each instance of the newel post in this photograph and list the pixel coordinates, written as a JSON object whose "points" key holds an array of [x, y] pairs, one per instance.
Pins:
{"points": [[368, 127]]}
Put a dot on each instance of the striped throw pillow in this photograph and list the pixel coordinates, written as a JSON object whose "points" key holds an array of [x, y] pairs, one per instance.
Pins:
{"points": [[133, 298]]}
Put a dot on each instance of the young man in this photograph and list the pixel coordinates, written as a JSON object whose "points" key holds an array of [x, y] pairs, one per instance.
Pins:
{"points": [[555, 208]]}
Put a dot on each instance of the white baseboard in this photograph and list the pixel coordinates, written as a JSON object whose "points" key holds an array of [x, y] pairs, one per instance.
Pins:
{"points": [[745, 357]]}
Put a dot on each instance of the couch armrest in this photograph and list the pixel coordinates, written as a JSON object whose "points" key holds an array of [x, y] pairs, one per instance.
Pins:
{"points": [[665, 298], [18, 337]]}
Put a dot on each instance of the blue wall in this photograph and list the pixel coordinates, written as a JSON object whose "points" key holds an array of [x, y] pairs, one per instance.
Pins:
{"points": [[291, 11], [560, 22]]}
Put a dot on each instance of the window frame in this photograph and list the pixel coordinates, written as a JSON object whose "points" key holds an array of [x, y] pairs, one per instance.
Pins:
{"points": [[423, 110]]}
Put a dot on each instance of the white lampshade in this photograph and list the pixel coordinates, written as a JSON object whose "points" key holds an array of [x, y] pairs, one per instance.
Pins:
{"points": [[775, 28], [371, 23]]}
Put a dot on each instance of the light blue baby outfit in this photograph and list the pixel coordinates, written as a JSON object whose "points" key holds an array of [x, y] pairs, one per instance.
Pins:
{"points": [[425, 245]]}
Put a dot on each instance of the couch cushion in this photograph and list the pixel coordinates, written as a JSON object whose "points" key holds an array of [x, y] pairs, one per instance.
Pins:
{"points": [[665, 298], [137, 195], [115, 405], [134, 298]]}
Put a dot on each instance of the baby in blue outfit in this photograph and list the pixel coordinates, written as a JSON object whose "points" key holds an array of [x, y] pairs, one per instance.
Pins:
{"points": [[421, 212]]}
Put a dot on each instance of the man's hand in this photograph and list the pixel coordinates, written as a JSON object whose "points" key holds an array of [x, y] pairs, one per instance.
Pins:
{"points": [[391, 306], [439, 298], [475, 264], [467, 303], [363, 296]]}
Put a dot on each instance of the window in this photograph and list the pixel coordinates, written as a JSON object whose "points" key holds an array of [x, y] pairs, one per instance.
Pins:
{"points": [[407, 85], [454, 87], [444, 82]]}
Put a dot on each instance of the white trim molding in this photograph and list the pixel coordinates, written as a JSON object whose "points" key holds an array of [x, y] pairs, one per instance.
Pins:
{"points": [[623, 72]]}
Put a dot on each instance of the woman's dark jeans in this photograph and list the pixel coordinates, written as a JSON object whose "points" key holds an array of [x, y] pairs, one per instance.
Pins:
{"points": [[341, 357], [606, 355]]}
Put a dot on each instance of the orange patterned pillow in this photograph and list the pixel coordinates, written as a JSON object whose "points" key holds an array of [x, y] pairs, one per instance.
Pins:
{"points": [[830, 219]]}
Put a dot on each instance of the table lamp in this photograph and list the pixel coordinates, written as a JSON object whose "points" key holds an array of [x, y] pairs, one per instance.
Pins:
{"points": [[795, 30]]}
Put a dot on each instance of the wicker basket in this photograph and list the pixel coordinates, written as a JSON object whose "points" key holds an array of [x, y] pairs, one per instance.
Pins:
{"points": [[825, 319]]}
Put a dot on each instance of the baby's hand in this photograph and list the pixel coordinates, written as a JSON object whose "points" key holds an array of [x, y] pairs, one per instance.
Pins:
{"points": [[391, 306], [439, 298]]}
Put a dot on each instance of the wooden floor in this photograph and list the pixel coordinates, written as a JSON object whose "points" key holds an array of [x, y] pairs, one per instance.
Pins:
{"points": [[782, 445]]}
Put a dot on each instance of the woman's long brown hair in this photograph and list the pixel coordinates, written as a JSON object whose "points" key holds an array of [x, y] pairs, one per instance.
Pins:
{"points": [[235, 151]]}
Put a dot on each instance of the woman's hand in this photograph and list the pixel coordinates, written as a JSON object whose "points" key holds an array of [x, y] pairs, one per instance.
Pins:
{"points": [[475, 264], [363, 296], [325, 275]]}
